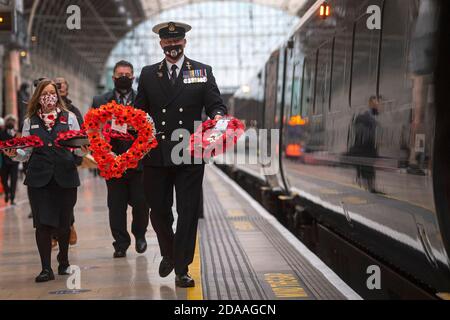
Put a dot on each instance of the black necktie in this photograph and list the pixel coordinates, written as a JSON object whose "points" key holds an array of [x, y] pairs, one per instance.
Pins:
{"points": [[122, 100], [173, 75]]}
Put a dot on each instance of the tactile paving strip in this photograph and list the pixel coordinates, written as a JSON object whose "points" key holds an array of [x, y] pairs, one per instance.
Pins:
{"points": [[227, 271]]}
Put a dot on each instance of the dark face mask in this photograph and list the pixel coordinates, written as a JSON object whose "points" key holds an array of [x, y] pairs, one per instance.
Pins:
{"points": [[374, 111], [173, 52], [9, 126], [123, 84]]}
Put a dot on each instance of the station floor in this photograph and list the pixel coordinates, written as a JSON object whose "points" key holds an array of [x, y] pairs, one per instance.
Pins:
{"points": [[242, 253]]}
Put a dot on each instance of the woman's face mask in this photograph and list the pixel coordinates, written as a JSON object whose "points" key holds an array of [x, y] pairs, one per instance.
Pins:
{"points": [[48, 102]]}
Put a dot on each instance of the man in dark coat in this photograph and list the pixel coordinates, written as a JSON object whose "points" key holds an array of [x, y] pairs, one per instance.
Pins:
{"points": [[63, 87], [9, 169], [127, 190], [175, 92]]}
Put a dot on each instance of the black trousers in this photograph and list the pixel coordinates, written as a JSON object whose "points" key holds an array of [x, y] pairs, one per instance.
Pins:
{"points": [[9, 174], [159, 185], [122, 192]]}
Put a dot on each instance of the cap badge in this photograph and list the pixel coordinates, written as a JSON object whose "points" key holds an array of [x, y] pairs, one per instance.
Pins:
{"points": [[172, 27]]}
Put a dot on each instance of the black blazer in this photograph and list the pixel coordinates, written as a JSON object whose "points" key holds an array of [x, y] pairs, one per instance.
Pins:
{"points": [[50, 161], [176, 107], [118, 146]]}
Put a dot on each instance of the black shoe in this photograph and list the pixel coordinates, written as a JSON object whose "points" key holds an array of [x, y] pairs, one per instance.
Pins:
{"points": [[184, 281], [120, 254], [63, 270], [165, 267], [45, 275], [6, 198], [141, 245]]}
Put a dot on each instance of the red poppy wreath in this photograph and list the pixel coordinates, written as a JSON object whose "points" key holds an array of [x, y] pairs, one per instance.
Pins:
{"points": [[110, 165], [213, 138], [22, 143]]}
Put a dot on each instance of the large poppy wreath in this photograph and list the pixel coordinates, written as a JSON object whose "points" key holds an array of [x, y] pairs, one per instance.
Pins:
{"points": [[208, 141], [109, 164]]}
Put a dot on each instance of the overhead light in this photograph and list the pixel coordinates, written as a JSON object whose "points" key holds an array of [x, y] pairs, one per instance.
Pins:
{"points": [[325, 10], [246, 88], [23, 53], [33, 39]]}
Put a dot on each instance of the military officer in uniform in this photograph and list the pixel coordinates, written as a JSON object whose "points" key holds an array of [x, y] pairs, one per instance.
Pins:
{"points": [[175, 92], [128, 189]]}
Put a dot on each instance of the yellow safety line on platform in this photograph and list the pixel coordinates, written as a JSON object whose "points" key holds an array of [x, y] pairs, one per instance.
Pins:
{"points": [[196, 293], [243, 225], [285, 285]]}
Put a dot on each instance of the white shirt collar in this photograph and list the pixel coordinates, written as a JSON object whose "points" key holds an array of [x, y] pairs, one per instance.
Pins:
{"points": [[179, 64]]}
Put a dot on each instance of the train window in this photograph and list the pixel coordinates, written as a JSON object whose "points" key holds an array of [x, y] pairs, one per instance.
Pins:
{"points": [[308, 87], [271, 91], [365, 63], [281, 81], [324, 60], [394, 81], [341, 69], [295, 104]]}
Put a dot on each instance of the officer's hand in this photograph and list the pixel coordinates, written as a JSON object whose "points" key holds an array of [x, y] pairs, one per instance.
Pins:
{"points": [[218, 117], [10, 152], [85, 149]]}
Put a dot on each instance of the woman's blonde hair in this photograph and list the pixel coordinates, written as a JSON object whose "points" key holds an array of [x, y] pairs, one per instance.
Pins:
{"points": [[34, 105]]}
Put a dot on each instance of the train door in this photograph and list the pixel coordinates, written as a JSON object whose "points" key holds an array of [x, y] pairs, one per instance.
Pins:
{"points": [[269, 139]]}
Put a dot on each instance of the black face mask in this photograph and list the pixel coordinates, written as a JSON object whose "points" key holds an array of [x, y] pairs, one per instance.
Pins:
{"points": [[374, 111], [123, 84], [173, 52], [9, 126]]}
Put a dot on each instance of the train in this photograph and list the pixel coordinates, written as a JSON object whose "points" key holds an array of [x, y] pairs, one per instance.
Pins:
{"points": [[362, 151]]}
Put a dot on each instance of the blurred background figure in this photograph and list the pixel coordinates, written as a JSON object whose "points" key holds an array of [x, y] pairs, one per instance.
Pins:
{"points": [[2, 126], [10, 168], [63, 88], [23, 96]]}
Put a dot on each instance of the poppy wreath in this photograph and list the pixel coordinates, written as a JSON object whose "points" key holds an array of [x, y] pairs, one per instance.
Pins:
{"points": [[207, 141], [22, 143], [110, 165], [68, 135]]}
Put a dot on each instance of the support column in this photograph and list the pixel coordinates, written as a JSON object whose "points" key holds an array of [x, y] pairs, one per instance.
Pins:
{"points": [[12, 81]]}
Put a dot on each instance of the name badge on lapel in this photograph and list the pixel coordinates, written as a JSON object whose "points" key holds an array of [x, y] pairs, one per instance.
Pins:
{"points": [[195, 76], [35, 126]]}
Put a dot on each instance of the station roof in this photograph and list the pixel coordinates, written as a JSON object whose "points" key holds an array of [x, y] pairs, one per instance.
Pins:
{"points": [[103, 24]]}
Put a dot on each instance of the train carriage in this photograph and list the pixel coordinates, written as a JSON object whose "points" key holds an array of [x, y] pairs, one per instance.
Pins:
{"points": [[363, 145]]}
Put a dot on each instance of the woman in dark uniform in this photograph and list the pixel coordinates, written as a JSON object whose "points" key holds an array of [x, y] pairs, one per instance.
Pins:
{"points": [[52, 176]]}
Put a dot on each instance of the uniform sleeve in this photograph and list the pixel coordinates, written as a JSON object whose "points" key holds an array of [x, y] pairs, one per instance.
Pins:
{"points": [[141, 101], [23, 155], [212, 99]]}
